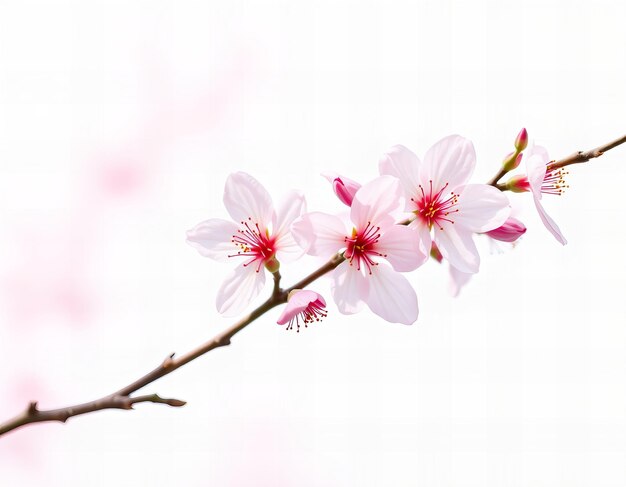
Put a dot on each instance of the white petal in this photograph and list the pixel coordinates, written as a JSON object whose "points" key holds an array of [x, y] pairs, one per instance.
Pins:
{"points": [[402, 248], [245, 197], [451, 160], [378, 202], [403, 164], [213, 238], [549, 223], [458, 279], [291, 208], [457, 247], [536, 164], [481, 208], [391, 296], [349, 288], [240, 287], [319, 234], [423, 233]]}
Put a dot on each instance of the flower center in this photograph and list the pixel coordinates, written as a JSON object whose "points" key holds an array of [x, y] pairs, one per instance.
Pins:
{"points": [[313, 312], [253, 243], [554, 182], [361, 247], [434, 208]]}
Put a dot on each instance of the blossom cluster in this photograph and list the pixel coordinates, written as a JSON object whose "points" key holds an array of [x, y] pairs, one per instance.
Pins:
{"points": [[414, 209]]}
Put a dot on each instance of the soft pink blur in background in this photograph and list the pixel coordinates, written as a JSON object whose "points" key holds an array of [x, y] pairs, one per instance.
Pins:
{"points": [[119, 122]]}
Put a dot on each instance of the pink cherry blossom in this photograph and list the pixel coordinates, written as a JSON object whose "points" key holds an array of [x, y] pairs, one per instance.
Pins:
{"points": [[509, 231], [541, 181], [345, 188], [442, 202], [303, 306], [375, 248], [258, 238]]}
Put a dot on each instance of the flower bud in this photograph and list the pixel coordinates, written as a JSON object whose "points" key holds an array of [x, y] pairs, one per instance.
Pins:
{"points": [[344, 188], [521, 141], [510, 231], [518, 184], [435, 253], [511, 161]]}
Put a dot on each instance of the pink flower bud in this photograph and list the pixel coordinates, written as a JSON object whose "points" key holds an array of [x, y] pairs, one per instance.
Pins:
{"points": [[344, 188], [518, 184], [510, 231], [435, 253], [511, 161], [521, 141]]}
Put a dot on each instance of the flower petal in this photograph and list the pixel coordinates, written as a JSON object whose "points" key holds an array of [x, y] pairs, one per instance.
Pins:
{"points": [[457, 280], [378, 202], [345, 188], [349, 288], [423, 233], [240, 287], [287, 249], [457, 247], [403, 164], [536, 164], [451, 160], [213, 238], [245, 197], [402, 247], [298, 302], [549, 223], [391, 296], [319, 234], [481, 207]]}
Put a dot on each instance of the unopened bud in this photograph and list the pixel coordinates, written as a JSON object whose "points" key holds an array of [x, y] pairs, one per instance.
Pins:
{"points": [[511, 161], [344, 188], [435, 253], [272, 264], [510, 231], [518, 184], [521, 141]]}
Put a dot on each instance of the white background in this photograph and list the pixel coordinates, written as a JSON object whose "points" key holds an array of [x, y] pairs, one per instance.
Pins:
{"points": [[119, 122]]}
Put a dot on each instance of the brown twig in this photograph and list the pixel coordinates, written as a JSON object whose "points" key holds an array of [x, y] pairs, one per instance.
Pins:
{"points": [[122, 399]]}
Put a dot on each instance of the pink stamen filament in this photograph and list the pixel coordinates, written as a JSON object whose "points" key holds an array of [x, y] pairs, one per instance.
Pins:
{"points": [[254, 244], [313, 312], [361, 246], [554, 182], [435, 208]]}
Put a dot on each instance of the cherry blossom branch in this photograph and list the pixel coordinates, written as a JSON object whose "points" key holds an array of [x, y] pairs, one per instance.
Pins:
{"points": [[580, 156], [122, 399], [575, 158]]}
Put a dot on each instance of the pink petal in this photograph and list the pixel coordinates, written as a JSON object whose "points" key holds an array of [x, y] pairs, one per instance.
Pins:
{"points": [[345, 188], [299, 302], [509, 231], [458, 279], [391, 296], [423, 234], [319, 233], [378, 202], [213, 238], [245, 197], [451, 160], [241, 286], [402, 248], [549, 223], [349, 288], [536, 165], [287, 249], [481, 208], [457, 247], [403, 164]]}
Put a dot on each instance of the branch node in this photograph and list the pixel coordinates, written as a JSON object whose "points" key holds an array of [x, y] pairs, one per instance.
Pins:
{"points": [[32, 408]]}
